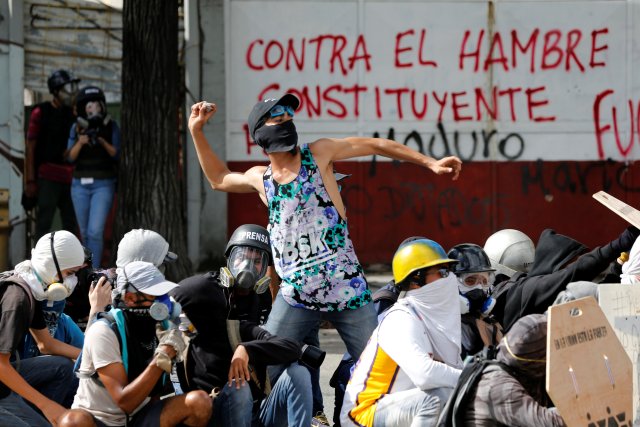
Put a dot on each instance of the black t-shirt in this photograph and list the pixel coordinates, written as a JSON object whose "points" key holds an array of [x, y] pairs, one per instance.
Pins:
{"points": [[15, 313]]}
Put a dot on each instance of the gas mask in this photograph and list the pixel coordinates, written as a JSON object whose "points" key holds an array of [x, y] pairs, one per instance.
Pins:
{"points": [[165, 308], [96, 115], [67, 93], [186, 326], [475, 291], [246, 269], [58, 291], [277, 138]]}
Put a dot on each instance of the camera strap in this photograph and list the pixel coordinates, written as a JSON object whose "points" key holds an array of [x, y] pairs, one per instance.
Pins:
{"points": [[233, 332]]}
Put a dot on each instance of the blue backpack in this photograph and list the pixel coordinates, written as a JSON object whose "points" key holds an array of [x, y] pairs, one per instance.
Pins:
{"points": [[115, 319]]}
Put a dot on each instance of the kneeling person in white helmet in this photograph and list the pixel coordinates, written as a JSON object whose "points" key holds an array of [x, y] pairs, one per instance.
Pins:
{"points": [[412, 361]]}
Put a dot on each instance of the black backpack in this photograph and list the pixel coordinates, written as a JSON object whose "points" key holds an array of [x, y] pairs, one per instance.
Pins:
{"points": [[452, 414]]}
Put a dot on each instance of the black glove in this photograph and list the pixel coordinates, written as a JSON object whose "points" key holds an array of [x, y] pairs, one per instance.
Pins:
{"points": [[628, 238], [623, 243], [28, 203]]}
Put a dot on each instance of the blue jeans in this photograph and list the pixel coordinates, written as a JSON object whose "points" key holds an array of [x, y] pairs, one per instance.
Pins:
{"points": [[92, 203], [288, 404], [233, 407], [411, 408], [50, 375], [354, 326], [313, 338]]}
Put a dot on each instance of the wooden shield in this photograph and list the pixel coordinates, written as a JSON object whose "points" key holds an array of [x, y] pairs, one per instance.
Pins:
{"points": [[589, 375], [621, 305], [629, 213]]}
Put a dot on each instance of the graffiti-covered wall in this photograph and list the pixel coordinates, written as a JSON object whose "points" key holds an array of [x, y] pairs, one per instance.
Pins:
{"points": [[538, 98]]}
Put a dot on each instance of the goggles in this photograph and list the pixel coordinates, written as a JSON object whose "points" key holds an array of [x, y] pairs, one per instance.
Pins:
{"points": [[443, 272], [484, 279], [279, 110]]}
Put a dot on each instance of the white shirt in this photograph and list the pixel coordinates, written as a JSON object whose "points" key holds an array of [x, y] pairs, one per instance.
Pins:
{"points": [[400, 354], [101, 348]]}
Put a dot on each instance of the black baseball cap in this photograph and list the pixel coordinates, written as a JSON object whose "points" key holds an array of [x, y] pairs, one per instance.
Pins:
{"points": [[262, 108]]}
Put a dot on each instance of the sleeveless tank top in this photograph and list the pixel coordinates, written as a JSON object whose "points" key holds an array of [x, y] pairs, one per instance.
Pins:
{"points": [[311, 247]]}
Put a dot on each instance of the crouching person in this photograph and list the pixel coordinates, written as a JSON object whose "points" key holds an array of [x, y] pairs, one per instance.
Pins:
{"points": [[123, 360], [412, 361], [511, 392], [39, 387], [230, 352]]}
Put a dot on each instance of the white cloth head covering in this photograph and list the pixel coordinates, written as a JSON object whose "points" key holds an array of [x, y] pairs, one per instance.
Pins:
{"points": [[631, 268], [143, 245], [437, 306], [69, 253]]}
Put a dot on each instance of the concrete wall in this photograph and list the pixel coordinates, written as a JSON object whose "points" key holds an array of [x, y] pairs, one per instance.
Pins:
{"points": [[205, 77], [11, 120], [562, 120]]}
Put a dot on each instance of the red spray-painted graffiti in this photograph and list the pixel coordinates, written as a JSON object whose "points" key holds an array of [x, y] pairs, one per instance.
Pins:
{"points": [[604, 126], [339, 101], [534, 51]]}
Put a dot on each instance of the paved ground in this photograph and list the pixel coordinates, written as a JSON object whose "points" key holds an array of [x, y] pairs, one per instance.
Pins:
{"points": [[331, 342]]}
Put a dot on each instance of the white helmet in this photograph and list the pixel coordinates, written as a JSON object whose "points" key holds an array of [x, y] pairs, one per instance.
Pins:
{"points": [[510, 251]]}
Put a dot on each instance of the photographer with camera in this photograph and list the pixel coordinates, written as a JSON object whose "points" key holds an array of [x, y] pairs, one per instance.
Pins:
{"points": [[229, 353], [93, 146], [125, 356]]}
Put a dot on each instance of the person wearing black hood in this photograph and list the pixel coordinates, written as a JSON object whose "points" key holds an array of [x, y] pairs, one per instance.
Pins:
{"points": [[511, 391], [228, 353], [559, 260]]}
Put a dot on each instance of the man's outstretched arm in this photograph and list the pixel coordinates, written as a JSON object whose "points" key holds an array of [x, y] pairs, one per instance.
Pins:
{"points": [[216, 171], [348, 148]]}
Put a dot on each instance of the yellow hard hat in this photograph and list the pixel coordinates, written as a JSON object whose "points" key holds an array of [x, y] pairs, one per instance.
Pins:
{"points": [[416, 255]]}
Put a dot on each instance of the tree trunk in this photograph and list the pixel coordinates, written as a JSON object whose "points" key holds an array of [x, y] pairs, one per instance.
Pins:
{"points": [[150, 179]]}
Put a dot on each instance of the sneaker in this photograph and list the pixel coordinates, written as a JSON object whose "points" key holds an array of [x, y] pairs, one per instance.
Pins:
{"points": [[319, 420]]}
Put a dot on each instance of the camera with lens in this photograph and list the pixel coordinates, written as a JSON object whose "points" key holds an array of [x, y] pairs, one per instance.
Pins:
{"points": [[312, 356], [110, 274], [90, 127]]}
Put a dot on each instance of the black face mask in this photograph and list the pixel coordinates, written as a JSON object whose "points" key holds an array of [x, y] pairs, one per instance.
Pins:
{"points": [[476, 299], [277, 138]]}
